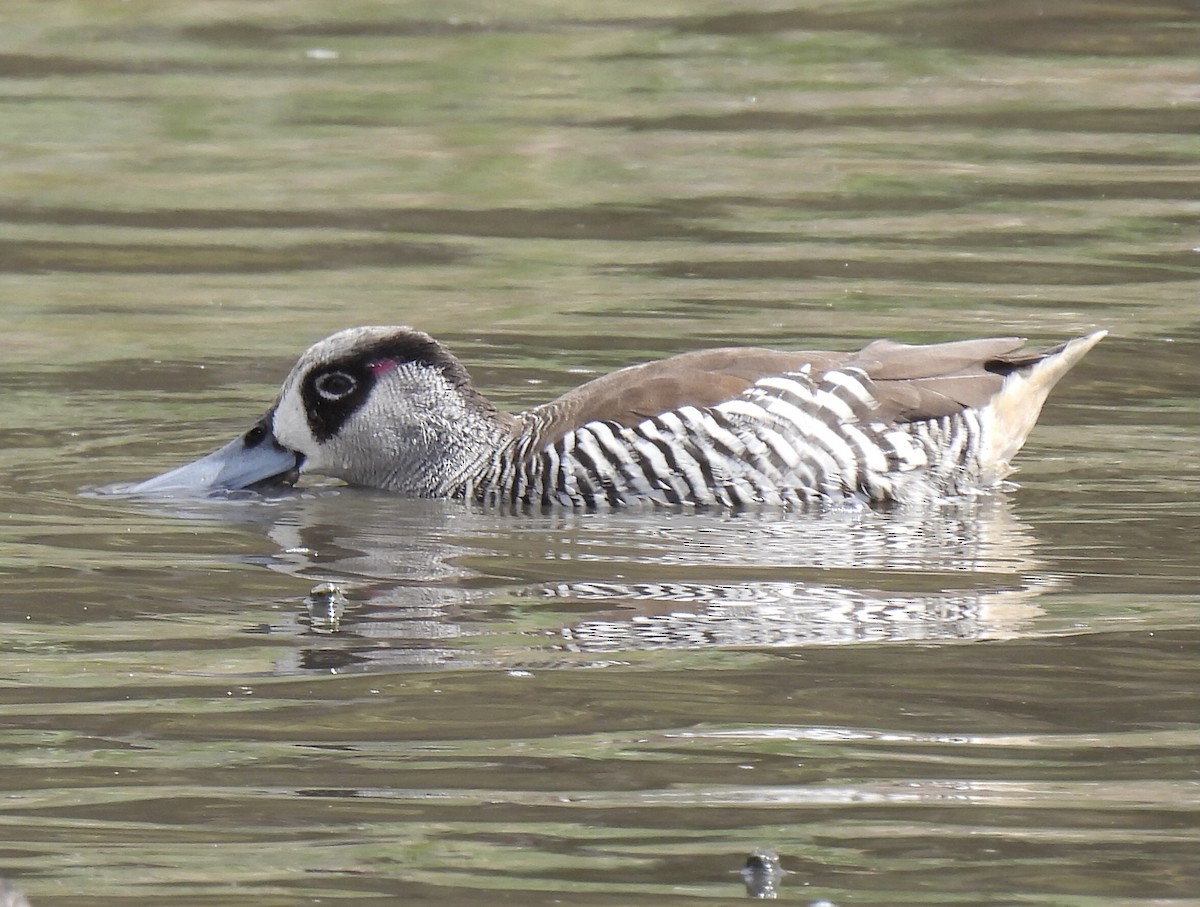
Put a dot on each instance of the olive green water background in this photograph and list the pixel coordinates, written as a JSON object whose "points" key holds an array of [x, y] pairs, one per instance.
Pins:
{"points": [[983, 703]]}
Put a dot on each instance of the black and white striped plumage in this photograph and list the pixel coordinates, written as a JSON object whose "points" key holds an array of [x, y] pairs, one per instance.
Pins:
{"points": [[391, 408], [785, 441]]}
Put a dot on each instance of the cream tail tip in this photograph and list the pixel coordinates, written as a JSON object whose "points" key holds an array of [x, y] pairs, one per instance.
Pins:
{"points": [[1010, 416]]}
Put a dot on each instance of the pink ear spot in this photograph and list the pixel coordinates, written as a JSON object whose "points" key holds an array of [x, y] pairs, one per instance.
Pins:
{"points": [[380, 367]]}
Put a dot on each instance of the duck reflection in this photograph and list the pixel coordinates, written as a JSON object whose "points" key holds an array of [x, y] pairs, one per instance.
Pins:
{"points": [[432, 583], [11, 896]]}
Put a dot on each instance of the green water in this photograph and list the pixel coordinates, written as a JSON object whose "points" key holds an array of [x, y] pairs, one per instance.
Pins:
{"points": [[982, 704]]}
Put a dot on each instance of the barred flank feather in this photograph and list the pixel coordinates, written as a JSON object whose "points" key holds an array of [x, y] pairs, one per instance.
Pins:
{"points": [[786, 441]]}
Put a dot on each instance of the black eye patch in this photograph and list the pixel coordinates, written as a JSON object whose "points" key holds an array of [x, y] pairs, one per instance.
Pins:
{"points": [[332, 394]]}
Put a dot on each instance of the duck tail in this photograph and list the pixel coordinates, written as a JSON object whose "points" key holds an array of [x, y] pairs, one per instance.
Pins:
{"points": [[1009, 416]]}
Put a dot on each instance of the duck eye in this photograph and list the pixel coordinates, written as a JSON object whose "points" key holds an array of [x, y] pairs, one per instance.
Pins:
{"points": [[335, 385]]}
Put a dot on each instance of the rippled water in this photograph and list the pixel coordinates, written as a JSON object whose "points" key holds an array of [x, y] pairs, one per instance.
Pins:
{"points": [[990, 702]]}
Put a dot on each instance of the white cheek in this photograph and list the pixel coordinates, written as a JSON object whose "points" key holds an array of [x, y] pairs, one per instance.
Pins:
{"points": [[291, 427]]}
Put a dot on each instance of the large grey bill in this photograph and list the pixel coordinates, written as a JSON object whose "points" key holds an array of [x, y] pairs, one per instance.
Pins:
{"points": [[255, 459]]}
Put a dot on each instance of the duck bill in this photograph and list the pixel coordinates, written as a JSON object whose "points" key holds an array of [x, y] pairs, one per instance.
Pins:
{"points": [[254, 461]]}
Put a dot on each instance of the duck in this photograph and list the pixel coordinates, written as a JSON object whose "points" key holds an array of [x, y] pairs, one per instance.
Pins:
{"points": [[391, 408]]}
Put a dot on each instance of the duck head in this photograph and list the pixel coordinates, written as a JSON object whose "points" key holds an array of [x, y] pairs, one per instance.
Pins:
{"points": [[382, 407]]}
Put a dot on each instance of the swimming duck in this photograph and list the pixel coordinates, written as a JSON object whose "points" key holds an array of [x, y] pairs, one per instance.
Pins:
{"points": [[392, 408]]}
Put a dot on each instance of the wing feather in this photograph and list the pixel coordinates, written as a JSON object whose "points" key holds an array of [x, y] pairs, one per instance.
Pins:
{"points": [[911, 382]]}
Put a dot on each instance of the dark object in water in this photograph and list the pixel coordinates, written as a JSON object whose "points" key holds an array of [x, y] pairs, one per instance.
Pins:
{"points": [[762, 874]]}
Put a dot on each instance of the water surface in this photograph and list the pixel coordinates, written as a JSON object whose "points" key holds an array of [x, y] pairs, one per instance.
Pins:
{"points": [[983, 702]]}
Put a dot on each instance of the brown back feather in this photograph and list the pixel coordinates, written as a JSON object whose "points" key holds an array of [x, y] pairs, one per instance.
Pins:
{"points": [[912, 383]]}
